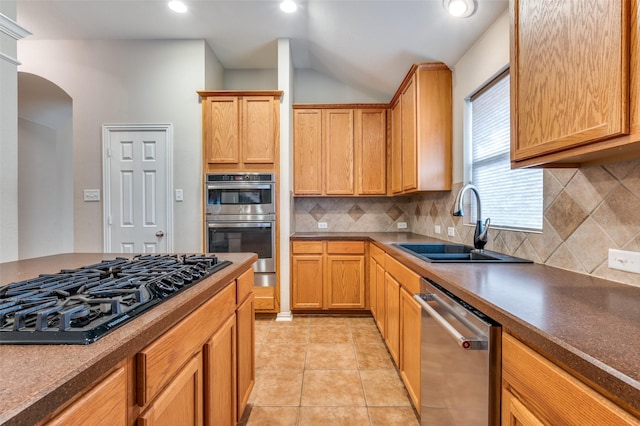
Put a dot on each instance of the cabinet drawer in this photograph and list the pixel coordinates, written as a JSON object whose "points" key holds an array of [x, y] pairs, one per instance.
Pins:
{"points": [[376, 254], [306, 247], [345, 247], [551, 394], [409, 279], [158, 363], [245, 285], [265, 298]]}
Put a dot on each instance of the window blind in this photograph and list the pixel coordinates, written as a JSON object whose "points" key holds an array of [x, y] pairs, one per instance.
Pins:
{"points": [[511, 198]]}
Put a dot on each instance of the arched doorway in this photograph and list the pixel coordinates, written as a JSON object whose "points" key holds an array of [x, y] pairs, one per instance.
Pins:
{"points": [[45, 168]]}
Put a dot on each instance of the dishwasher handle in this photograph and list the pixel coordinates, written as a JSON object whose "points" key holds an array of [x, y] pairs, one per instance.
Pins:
{"points": [[470, 343]]}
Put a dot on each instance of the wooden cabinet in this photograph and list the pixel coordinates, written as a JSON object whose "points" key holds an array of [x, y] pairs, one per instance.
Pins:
{"points": [[104, 404], [307, 274], [345, 278], [537, 392], [240, 130], [328, 275], [246, 352], [220, 398], [181, 401], [575, 87], [410, 345], [421, 131], [392, 327], [339, 151], [377, 286]]}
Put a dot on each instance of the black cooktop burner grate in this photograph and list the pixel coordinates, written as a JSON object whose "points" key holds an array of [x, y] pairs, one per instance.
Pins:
{"points": [[78, 306]]}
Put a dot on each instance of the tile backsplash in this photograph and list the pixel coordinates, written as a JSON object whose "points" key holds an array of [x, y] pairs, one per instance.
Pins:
{"points": [[586, 212]]}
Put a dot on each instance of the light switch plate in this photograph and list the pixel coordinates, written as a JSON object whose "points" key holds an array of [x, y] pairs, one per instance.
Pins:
{"points": [[322, 225], [624, 260], [402, 225], [451, 231], [437, 229], [91, 195], [179, 195]]}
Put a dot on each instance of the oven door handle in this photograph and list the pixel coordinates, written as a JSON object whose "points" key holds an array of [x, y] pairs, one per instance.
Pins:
{"points": [[478, 343], [240, 186], [240, 225]]}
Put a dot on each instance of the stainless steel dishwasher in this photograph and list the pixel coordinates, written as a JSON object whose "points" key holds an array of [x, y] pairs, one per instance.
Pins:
{"points": [[460, 361]]}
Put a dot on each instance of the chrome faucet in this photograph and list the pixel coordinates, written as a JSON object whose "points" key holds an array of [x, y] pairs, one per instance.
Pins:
{"points": [[481, 236]]}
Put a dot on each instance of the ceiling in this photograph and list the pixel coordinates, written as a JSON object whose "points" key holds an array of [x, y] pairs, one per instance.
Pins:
{"points": [[367, 44]]}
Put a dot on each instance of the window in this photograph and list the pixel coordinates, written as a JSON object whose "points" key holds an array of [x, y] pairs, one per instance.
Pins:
{"points": [[511, 198]]}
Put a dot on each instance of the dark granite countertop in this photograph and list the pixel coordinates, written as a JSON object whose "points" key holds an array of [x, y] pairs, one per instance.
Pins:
{"points": [[37, 379], [587, 325]]}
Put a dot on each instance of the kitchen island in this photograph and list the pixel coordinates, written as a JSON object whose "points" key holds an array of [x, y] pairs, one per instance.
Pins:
{"points": [[588, 326], [38, 381]]}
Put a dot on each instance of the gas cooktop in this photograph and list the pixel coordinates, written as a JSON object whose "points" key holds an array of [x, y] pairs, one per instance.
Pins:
{"points": [[79, 306]]}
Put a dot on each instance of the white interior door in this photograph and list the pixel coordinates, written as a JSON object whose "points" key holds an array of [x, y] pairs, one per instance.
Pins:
{"points": [[137, 180]]}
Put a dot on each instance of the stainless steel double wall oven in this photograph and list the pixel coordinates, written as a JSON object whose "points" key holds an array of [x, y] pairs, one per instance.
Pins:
{"points": [[241, 217]]}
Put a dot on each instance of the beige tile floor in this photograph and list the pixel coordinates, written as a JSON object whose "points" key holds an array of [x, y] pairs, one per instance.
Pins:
{"points": [[325, 371]]}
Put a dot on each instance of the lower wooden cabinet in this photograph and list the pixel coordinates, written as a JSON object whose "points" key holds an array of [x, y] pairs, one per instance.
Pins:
{"points": [[104, 404], [537, 392], [180, 403], [246, 352], [410, 345], [328, 275], [392, 328], [221, 401]]}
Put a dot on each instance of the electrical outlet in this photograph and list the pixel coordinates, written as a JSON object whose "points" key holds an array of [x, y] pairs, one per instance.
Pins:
{"points": [[451, 231], [91, 195], [322, 225], [402, 225], [437, 229], [179, 195], [624, 260]]}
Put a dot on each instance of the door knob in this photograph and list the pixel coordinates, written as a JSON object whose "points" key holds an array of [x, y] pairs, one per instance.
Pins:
{"points": [[160, 234]]}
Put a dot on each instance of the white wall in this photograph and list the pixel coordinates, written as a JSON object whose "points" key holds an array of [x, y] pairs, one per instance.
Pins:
{"points": [[129, 82], [313, 87], [44, 182], [486, 58], [260, 79], [8, 134]]}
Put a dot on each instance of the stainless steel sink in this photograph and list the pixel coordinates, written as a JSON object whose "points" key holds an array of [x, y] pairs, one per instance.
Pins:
{"points": [[456, 253]]}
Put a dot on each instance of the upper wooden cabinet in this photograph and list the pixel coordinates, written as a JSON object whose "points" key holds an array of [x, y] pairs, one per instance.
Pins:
{"points": [[240, 130], [339, 150], [421, 129], [574, 82]]}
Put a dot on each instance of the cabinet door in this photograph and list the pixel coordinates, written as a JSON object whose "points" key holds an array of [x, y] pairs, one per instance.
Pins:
{"points": [[246, 352], [515, 413], [410, 341], [220, 376], [306, 281], [221, 129], [396, 148], [570, 74], [339, 151], [409, 164], [381, 319], [180, 403], [105, 404], [371, 130], [345, 282], [258, 130], [307, 152], [373, 289], [392, 328]]}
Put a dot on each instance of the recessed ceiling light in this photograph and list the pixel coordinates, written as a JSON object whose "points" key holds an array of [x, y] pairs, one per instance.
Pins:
{"points": [[288, 6], [177, 6], [459, 8]]}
